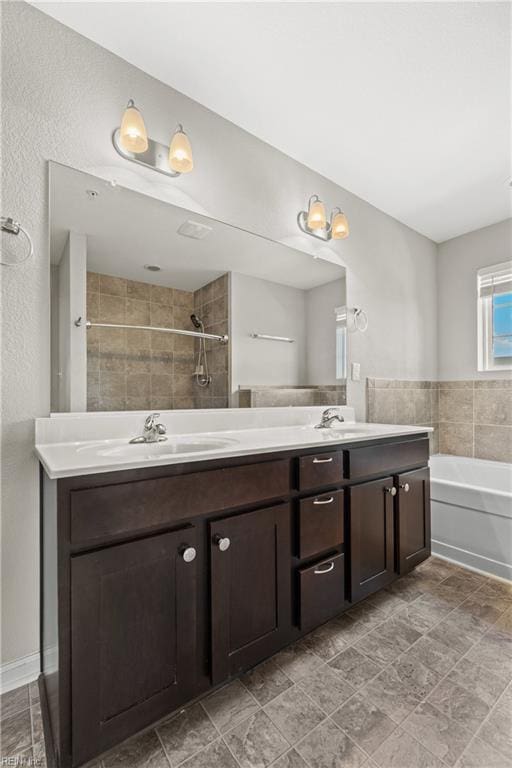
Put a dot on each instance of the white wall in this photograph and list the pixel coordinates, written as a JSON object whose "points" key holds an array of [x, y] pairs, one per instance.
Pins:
{"points": [[62, 97], [261, 306], [458, 262], [72, 364], [321, 331]]}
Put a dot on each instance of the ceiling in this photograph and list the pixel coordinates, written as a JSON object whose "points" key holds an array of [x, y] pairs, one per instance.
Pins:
{"points": [[126, 230], [405, 104]]}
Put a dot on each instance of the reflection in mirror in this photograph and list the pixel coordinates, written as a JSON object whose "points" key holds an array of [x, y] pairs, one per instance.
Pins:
{"points": [[155, 307]]}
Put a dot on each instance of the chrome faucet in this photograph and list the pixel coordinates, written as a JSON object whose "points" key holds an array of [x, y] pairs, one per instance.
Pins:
{"points": [[153, 432], [328, 417]]}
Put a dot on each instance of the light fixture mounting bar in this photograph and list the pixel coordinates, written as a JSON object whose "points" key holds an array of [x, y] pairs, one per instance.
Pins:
{"points": [[320, 234], [155, 157]]}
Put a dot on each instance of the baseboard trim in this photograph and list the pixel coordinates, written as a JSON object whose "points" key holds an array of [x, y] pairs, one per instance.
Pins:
{"points": [[471, 560], [19, 672]]}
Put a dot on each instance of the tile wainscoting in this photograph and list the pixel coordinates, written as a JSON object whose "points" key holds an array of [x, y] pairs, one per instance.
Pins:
{"points": [[270, 396], [470, 418]]}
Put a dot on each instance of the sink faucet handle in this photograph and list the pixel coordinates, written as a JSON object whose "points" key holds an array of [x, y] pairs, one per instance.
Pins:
{"points": [[150, 421]]}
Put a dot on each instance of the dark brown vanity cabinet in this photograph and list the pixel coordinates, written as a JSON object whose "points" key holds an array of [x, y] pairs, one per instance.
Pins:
{"points": [[412, 518], [371, 523], [133, 622], [250, 588], [164, 582]]}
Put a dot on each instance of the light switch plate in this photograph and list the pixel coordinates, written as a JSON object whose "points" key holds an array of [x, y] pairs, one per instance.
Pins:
{"points": [[356, 371]]}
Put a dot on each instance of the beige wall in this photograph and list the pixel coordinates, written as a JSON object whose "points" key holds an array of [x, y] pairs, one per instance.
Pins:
{"points": [[61, 98]]}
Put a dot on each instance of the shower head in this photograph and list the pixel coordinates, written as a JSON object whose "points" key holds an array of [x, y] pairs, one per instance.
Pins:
{"points": [[198, 323]]}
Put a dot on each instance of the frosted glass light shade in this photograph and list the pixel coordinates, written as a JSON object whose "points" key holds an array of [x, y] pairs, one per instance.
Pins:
{"points": [[132, 134], [339, 226], [180, 152], [316, 214]]}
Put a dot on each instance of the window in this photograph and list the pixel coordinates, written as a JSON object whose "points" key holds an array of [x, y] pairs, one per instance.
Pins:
{"points": [[495, 317]]}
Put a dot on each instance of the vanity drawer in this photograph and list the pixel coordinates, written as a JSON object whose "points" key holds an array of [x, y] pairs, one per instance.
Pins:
{"points": [[320, 469], [113, 511], [320, 523], [322, 591], [384, 459]]}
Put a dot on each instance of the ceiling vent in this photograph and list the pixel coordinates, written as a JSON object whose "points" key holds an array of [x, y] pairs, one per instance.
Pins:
{"points": [[194, 229]]}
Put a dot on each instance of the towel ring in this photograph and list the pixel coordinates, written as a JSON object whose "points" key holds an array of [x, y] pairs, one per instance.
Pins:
{"points": [[14, 228]]}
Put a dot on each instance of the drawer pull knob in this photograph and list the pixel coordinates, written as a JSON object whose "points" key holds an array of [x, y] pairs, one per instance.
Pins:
{"points": [[329, 568], [222, 542], [405, 487], [324, 501], [392, 491], [188, 554], [322, 461]]}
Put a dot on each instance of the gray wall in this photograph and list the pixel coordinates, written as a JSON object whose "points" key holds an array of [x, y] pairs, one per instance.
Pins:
{"points": [[458, 262], [62, 96]]}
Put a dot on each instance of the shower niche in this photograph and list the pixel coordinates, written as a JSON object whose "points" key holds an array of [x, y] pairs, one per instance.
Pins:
{"points": [[156, 307]]}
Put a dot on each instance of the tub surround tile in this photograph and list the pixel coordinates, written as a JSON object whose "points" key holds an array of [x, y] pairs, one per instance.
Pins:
{"points": [[493, 442], [470, 418]]}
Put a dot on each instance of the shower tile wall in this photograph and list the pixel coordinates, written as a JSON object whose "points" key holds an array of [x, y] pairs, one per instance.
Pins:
{"points": [[211, 303], [139, 370], [270, 396], [470, 418]]}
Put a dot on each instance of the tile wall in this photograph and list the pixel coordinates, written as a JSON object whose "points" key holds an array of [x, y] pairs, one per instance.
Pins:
{"points": [[141, 370], [268, 397], [470, 418]]}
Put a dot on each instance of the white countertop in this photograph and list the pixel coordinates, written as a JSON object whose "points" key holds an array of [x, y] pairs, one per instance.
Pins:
{"points": [[82, 444]]}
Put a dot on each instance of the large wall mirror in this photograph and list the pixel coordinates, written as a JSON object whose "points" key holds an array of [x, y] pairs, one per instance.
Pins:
{"points": [[155, 307]]}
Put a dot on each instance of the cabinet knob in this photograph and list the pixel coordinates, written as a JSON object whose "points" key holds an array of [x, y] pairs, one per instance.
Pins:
{"points": [[405, 487], [188, 554], [392, 491], [222, 542]]}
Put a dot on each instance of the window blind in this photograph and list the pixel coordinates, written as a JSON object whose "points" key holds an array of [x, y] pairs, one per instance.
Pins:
{"points": [[496, 279]]}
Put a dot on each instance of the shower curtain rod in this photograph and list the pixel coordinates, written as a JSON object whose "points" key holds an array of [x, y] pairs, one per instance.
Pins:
{"points": [[181, 332]]}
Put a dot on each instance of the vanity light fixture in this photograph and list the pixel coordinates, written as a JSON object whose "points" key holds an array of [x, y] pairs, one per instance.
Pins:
{"points": [[131, 141], [314, 221]]}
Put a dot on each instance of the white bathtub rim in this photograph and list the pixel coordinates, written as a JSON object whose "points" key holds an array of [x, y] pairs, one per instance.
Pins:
{"points": [[492, 569], [469, 486], [465, 499]]}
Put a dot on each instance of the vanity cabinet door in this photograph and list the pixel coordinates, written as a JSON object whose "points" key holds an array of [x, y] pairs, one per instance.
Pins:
{"points": [[371, 537], [250, 588], [413, 519], [132, 637]]}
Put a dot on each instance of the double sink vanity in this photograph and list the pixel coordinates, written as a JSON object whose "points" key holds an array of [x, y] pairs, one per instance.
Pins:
{"points": [[173, 565]]}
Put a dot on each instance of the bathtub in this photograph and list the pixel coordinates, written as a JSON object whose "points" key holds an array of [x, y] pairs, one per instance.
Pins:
{"points": [[472, 513]]}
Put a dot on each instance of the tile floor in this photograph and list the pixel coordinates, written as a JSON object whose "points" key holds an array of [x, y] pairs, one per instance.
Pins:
{"points": [[417, 676]]}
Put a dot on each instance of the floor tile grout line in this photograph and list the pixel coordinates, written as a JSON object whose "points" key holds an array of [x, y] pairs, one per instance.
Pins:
{"points": [[488, 716]]}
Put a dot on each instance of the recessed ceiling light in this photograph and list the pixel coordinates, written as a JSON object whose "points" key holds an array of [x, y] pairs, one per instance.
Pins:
{"points": [[152, 267], [194, 229]]}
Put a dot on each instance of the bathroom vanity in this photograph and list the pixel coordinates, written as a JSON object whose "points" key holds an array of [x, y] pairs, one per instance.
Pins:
{"points": [[164, 580]]}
